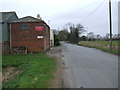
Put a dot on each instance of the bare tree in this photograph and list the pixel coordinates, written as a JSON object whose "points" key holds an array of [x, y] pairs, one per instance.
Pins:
{"points": [[75, 32], [90, 36], [98, 37], [116, 36], [107, 36]]}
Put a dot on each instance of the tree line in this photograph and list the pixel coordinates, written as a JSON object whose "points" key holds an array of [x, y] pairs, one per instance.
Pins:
{"points": [[73, 34]]}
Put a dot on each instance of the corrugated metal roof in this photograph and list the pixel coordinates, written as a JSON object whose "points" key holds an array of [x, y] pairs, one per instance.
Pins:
{"points": [[28, 19], [5, 16]]}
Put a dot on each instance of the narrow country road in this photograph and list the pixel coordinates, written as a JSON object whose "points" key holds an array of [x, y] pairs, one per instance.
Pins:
{"points": [[89, 67]]}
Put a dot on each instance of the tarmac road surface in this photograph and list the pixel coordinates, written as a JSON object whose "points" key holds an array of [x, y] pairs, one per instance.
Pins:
{"points": [[89, 67]]}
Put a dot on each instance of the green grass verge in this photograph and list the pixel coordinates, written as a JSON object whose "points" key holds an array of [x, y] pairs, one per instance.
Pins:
{"points": [[117, 52], [36, 70], [114, 43]]}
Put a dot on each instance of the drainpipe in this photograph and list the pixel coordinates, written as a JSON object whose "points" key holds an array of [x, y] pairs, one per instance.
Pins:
{"points": [[10, 40], [44, 37]]}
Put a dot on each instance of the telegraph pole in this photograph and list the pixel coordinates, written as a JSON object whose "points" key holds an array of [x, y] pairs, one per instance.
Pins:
{"points": [[110, 16]]}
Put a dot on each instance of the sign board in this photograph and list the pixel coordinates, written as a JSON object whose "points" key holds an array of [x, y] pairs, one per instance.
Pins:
{"points": [[39, 36], [39, 28]]}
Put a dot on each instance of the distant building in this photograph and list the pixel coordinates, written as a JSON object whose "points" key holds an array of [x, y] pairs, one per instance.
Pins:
{"points": [[51, 38], [31, 33], [7, 17]]}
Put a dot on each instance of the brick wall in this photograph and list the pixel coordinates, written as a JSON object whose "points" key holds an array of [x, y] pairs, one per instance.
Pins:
{"points": [[47, 38], [28, 37]]}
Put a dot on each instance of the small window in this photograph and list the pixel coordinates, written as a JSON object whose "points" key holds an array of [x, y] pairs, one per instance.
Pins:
{"points": [[25, 27]]}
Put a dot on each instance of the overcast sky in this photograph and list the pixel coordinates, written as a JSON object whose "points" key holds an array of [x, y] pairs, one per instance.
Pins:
{"points": [[92, 14]]}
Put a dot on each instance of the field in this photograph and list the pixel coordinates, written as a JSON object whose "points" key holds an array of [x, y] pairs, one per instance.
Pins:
{"points": [[102, 45], [30, 70]]}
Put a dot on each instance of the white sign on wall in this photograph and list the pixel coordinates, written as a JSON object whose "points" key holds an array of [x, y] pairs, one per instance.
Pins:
{"points": [[39, 36]]}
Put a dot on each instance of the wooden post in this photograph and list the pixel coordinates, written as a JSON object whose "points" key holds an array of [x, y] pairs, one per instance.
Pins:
{"points": [[110, 16], [10, 39]]}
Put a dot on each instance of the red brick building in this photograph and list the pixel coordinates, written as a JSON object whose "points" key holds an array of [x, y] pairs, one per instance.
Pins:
{"points": [[29, 32]]}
